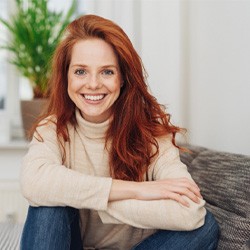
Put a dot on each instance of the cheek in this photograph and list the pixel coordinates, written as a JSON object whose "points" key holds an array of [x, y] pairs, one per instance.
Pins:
{"points": [[116, 88], [72, 85], [116, 94], [71, 88]]}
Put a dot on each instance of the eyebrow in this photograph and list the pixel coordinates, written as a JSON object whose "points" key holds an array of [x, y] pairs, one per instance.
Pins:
{"points": [[84, 65], [102, 67], [109, 66]]}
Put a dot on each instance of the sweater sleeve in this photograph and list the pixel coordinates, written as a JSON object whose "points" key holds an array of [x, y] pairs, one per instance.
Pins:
{"points": [[45, 181], [159, 214]]}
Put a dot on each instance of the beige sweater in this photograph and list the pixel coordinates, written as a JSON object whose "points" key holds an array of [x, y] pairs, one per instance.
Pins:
{"points": [[84, 182]]}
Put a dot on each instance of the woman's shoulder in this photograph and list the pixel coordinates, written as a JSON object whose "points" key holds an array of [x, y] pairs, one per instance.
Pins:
{"points": [[165, 141], [48, 127], [166, 146], [46, 123]]}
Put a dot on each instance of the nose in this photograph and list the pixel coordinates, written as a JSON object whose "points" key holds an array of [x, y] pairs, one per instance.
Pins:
{"points": [[94, 82]]}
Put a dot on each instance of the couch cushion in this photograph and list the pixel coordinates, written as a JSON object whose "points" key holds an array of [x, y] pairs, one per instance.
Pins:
{"points": [[224, 180]]}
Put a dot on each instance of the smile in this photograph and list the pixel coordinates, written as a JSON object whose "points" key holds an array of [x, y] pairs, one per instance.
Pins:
{"points": [[94, 97]]}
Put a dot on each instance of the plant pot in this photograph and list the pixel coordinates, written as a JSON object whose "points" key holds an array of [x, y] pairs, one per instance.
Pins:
{"points": [[30, 110]]}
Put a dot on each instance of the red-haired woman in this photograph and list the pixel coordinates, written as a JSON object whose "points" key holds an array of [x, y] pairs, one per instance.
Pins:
{"points": [[103, 169]]}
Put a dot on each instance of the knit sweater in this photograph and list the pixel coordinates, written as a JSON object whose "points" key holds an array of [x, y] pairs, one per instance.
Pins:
{"points": [[83, 181]]}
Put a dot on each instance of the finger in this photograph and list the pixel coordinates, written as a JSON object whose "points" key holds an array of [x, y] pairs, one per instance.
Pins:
{"points": [[194, 190], [198, 194], [184, 182], [185, 191], [178, 198], [181, 186], [191, 185], [191, 195]]}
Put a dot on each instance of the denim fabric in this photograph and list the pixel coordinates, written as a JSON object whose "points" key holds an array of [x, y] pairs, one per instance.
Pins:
{"points": [[51, 228], [56, 228], [203, 238]]}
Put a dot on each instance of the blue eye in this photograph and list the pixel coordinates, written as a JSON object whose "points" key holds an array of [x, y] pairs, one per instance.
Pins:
{"points": [[80, 72], [108, 72]]}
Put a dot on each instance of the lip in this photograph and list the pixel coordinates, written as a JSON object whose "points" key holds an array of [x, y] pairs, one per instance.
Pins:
{"points": [[94, 95]]}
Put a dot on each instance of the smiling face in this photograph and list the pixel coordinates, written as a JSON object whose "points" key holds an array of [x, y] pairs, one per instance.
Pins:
{"points": [[94, 79]]}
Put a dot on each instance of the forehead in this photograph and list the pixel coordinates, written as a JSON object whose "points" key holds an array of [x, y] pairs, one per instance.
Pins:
{"points": [[93, 50]]}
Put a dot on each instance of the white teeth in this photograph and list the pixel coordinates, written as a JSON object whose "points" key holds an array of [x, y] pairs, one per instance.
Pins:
{"points": [[94, 97]]}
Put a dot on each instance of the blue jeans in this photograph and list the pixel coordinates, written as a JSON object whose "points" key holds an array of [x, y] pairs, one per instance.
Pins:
{"points": [[54, 228]]}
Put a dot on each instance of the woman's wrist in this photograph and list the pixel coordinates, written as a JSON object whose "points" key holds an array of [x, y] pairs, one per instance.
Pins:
{"points": [[123, 190]]}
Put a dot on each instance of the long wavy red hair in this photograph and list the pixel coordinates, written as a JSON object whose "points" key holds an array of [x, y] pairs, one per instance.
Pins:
{"points": [[138, 119]]}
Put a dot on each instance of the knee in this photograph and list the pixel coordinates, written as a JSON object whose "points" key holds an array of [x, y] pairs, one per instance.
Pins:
{"points": [[47, 226], [42, 216]]}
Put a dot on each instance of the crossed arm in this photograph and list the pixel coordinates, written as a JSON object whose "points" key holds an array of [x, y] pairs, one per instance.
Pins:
{"points": [[171, 201]]}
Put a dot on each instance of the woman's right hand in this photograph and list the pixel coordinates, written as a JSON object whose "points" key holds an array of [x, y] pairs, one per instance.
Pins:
{"points": [[172, 188]]}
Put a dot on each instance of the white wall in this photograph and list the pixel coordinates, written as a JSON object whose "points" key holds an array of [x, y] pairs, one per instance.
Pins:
{"points": [[219, 74], [197, 54]]}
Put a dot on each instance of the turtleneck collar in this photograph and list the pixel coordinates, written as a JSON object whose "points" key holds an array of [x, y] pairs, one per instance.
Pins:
{"points": [[89, 129]]}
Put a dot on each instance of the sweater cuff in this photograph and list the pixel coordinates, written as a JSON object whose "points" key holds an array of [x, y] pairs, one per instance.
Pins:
{"points": [[101, 198]]}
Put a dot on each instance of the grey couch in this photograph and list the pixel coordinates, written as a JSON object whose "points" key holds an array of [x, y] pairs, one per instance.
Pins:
{"points": [[224, 180]]}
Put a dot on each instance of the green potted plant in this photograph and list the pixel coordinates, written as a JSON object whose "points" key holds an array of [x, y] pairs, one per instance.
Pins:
{"points": [[35, 31]]}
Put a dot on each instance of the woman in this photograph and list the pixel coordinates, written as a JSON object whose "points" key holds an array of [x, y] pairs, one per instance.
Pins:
{"points": [[103, 170]]}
